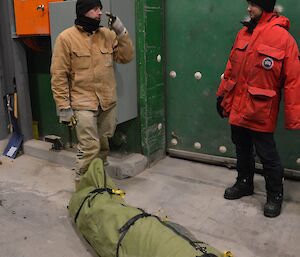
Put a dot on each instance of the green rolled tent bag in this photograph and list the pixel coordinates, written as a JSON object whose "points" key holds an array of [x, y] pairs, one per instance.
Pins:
{"points": [[115, 229]]}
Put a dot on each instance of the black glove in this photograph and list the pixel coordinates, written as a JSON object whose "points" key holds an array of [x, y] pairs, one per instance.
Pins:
{"points": [[219, 107]]}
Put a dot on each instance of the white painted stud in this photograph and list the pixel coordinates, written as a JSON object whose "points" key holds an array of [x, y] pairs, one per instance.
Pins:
{"points": [[198, 75], [222, 149], [173, 74], [158, 58], [298, 161], [174, 141], [197, 145], [159, 126], [222, 76]]}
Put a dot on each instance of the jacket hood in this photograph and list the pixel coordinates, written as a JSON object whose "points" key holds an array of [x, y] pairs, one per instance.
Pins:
{"points": [[282, 21], [277, 18], [274, 17]]}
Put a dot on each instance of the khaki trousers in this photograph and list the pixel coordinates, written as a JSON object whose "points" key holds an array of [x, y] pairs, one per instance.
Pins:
{"points": [[93, 130]]}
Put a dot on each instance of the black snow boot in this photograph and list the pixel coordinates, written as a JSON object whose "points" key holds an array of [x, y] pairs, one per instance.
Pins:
{"points": [[242, 187], [272, 208]]}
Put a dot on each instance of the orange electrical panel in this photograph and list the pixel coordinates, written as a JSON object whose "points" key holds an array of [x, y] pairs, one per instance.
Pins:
{"points": [[32, 17]]}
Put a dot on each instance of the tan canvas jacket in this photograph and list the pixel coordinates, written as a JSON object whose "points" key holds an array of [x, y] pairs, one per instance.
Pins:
{"points": [[82, 67]]}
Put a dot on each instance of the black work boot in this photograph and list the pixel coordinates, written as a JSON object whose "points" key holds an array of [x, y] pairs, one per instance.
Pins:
{"points": [[272, 208], [242, 187]]}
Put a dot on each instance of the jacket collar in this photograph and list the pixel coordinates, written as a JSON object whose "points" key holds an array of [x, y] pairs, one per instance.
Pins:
{"points": [[266, 17]]}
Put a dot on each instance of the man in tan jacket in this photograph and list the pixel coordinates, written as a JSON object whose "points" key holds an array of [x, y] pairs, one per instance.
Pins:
{"points": [[83, 79]]}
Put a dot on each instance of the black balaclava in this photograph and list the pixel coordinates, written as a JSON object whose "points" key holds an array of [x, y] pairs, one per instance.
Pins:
{"points": [[250, 24], [82, 7], [266, 5]]}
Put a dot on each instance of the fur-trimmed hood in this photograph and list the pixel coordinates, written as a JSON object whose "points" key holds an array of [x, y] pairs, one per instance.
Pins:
{"points": [[278, 9], [282, 21]]}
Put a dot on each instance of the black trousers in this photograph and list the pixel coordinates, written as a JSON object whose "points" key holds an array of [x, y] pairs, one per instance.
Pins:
{"points": [[246, 141]]}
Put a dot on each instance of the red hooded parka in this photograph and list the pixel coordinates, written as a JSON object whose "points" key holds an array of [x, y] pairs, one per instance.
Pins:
{"points": [[260, 65]]}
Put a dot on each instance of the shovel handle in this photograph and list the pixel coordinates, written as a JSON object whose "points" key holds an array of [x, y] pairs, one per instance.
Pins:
{"points": [[15, 105]]}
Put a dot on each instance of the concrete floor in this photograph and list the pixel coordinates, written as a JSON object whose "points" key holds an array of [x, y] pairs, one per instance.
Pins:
{"points": [[34, 220]]}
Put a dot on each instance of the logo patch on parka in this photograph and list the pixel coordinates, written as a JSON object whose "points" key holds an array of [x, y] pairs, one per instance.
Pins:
{"points": [[268, 63]]}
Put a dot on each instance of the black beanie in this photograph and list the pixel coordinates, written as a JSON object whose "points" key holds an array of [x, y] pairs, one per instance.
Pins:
{"points": [[267, 5], [83, 6]]}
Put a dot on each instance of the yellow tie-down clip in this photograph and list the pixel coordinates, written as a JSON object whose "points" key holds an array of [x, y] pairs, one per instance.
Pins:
{"points": [[227, 254], [119, 192]]}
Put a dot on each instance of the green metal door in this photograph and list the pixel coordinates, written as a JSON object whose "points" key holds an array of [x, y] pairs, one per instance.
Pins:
{"points": [[199, 36]]}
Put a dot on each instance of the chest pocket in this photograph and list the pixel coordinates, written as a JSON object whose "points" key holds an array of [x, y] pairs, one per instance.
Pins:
{"points": [[107, 56], [239, 51], [269, 59], [81, 60]]}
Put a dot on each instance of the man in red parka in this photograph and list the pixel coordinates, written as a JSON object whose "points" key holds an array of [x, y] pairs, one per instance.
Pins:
{"points": [[263, 64]]}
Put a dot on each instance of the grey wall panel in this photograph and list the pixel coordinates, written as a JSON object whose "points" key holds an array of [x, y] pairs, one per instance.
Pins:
{"points": [[126, 74], [62, 16], [14, 67], [6, 66]]}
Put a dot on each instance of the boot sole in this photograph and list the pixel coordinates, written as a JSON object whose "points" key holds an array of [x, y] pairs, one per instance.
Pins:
{"points": [[271, 215], [228, 197]]}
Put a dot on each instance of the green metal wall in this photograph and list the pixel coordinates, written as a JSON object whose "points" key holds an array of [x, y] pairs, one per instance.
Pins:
{"points": [[199, 36], [289, 141], [150, 17]]}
